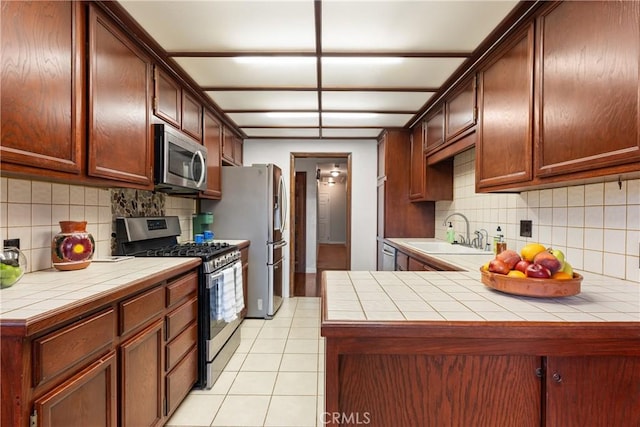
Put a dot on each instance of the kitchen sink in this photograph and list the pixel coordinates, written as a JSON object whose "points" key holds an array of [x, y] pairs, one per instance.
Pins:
{"points": [[446, 248]]}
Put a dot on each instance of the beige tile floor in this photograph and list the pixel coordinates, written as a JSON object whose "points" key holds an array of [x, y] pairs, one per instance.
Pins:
{"points": [[275, 378]]}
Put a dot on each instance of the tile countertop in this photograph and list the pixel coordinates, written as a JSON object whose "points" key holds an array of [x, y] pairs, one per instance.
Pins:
{"points": [[41, 292], [461, 296]]}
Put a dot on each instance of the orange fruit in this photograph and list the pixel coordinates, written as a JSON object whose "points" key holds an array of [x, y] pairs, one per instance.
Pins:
{"points": [[516, 273], [485, 267], [561, 275], [529, 251]]}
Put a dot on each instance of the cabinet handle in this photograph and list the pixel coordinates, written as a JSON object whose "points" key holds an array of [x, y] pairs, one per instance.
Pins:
{"points": [[557, 377], [539, 372]]}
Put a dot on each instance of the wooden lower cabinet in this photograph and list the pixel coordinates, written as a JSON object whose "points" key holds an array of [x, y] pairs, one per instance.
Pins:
{"points": [[87, 399], [442, 390], [141, 375], [429, 373], [606, 389], [128, 362]]}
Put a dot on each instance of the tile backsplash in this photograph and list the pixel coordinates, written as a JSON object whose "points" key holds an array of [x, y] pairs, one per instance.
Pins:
{"points": [[31, 210], [597, 226]]}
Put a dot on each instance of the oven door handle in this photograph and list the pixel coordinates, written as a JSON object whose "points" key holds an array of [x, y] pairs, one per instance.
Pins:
{"points": [[212, 278]]}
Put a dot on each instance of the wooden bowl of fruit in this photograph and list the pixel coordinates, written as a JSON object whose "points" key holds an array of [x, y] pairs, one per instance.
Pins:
{"points": [[535, 272]]}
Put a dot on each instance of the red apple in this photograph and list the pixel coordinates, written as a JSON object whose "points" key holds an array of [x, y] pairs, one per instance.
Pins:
{"points": [[498, 266], [538, 271], [547, 260], [522, 265], [509, 257]]}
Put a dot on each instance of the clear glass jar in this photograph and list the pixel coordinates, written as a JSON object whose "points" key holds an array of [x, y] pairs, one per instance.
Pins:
{"points": [[13, 265]]}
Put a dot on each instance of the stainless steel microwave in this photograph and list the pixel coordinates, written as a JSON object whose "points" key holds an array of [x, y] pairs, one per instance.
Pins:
{"points": [[180, 162]]}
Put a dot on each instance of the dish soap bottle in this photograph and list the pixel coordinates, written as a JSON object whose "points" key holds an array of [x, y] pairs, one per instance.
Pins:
{"points": [[450, 234], [498, 238]]}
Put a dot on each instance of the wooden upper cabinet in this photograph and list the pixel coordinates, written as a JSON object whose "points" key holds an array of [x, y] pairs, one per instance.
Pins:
{"points": [[42, 102], [417, 166], [587, 87], [168, 98], [232, 147], [460, 111], [191, 116], [227, 145], [504, 145], [428, 182], [120, 137], [434, 130], [212, 139]]}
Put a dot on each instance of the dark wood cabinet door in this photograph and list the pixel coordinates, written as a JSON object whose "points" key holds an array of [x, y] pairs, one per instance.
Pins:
{"points": [[460, 111], [191, 116], [596, 391], [504, 145], [120, 145], [238, 150], [141, 377], [227, 145], [587, 86], [434, 130], [42, 102], [440, 390], [418, 164], [87, 399], [212, 139], [168, 98]]}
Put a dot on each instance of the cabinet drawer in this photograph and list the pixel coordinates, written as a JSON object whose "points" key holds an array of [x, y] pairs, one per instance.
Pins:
{"points": [[179, 318], [136, 311], [181, 379], [64, 349], [177, 348], [182, 287]]}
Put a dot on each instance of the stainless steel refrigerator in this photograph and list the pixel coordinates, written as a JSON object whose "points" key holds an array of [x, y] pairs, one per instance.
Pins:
{"points": [[254, 207]]}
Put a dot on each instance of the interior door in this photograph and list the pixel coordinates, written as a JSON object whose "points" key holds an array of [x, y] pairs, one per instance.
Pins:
{"points": [[324, 217]]}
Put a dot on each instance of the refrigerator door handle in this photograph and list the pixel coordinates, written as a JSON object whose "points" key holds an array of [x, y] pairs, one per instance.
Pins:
{"points": [[283, 204], [281, 244]]}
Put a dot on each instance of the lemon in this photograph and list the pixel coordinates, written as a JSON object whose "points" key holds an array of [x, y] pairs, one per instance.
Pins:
{"points": [[529, 251], [516, 273]]}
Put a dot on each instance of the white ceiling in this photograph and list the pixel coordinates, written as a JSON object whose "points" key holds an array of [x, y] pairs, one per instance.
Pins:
{"points": [[380, 60]]}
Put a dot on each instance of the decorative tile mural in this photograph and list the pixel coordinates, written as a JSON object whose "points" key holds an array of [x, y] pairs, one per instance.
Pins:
{"points": [[128, 202]]}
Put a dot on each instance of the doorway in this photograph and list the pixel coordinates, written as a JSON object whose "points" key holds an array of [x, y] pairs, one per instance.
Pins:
{"points": [[321, 222]]}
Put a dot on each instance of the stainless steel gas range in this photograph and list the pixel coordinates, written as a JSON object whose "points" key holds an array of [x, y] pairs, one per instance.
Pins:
{"points": [[220, 298]]}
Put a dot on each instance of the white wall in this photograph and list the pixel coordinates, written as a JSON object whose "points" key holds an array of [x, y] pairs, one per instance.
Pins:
{"points": [[597, 226], [363, 180]]}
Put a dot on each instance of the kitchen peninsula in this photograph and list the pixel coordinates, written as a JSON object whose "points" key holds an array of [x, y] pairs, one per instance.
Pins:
{"points": [[113, 344], [439, 348]]}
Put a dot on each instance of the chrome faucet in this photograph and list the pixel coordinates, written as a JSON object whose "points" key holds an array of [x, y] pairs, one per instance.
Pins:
{"points": [[467, 240], [487, 246]]}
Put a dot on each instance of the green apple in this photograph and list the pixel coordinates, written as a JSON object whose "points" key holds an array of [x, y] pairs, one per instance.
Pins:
{"points": [[9, 275], [568, 269]]}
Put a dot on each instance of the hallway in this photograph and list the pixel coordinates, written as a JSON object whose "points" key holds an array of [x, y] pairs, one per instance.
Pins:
{"points": [[330, 257]]}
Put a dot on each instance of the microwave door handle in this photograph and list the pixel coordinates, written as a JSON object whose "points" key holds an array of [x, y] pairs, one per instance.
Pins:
{"points": [[204, 167]]}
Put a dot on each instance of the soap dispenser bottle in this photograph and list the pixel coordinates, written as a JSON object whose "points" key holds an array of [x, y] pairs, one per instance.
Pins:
{"points": [[498, 238], [450, 234]]}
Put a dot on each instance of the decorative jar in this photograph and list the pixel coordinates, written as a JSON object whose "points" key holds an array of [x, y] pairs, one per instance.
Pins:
{"points": [[73, 247], [13, 264]]}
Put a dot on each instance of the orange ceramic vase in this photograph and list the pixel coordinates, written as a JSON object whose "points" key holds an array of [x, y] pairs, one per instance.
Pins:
{"points": [[72, 248]]}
